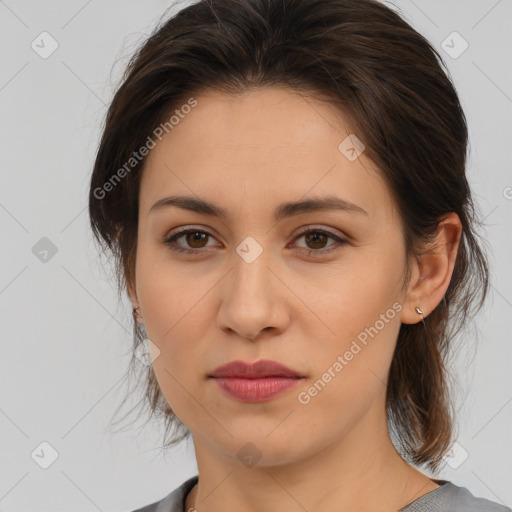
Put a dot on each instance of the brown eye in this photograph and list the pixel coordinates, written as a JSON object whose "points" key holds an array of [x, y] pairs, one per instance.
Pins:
{"points": [[194, 238], [317, 238]]}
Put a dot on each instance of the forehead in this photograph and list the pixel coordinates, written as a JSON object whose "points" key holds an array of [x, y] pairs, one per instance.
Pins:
{"points": [[270, 143]]}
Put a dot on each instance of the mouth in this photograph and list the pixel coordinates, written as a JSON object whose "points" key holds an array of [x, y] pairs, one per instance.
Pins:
{"points": [[255, 382]]}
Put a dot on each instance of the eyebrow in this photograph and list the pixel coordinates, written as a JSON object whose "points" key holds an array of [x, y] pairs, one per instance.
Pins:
{"points": [[284, 210]]}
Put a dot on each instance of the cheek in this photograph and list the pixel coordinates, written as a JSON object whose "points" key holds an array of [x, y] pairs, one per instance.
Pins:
{"points": [[355, 299], [176, 313], [352, 360], [170, 294], [354, 365], [351, 378]]}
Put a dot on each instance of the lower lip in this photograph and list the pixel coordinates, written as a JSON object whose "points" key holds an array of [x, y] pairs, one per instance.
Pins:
{"points": [[255, 390]]}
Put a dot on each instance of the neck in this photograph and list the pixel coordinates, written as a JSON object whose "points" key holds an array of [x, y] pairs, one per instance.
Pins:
{"points": [[362, 471]]}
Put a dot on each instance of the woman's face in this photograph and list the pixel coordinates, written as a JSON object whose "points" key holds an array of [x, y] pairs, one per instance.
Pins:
{"points": [[255, 287]]}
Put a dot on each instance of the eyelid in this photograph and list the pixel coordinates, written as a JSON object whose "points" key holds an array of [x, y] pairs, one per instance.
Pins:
{"points": [[185, 229], [313, 227]]}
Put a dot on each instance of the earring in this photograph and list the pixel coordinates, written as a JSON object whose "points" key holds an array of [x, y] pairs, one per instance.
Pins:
{"points": [[136, 311], [418, 310]]}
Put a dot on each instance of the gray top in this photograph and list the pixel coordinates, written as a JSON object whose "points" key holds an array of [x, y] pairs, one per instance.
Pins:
{"points": [[446, 498]]}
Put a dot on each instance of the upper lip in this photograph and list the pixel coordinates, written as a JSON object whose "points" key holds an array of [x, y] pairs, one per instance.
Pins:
{"points": [[259, 369]]}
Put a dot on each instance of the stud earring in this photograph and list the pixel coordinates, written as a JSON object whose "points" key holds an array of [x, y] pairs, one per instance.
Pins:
{"points": [[137, 312], [418, 310]]}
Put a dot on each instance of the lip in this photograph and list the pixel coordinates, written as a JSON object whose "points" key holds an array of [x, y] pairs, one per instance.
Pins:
{"points": [[255, 390], [255, 382], [257, 370]]}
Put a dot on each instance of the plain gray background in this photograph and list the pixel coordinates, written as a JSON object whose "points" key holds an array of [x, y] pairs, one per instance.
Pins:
{"points": [[65, 340]]}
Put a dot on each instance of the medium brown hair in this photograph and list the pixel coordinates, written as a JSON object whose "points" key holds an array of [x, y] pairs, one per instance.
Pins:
{"points": [[393, 86]]}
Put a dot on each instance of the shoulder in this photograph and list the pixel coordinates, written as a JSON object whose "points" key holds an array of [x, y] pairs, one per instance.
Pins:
{"points": [[453, 498], [461, 499], [174, 501]]}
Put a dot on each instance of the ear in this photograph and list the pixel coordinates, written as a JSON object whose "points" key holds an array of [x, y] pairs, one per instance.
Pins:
{"points": [[133, 298], [432, 271]]}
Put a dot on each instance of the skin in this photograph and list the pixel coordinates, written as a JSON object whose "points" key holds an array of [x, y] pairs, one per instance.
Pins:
{"points": [[248, 153]]}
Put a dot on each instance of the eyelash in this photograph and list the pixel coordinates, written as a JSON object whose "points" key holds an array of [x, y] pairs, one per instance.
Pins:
{"points": [[170, 241]]}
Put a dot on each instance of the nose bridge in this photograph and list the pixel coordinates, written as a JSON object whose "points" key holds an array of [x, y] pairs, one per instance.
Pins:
{"points": [[251, 261], [249, 300]]}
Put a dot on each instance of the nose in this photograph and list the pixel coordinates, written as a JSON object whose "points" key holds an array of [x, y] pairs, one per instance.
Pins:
{"points": [[254, 299]]}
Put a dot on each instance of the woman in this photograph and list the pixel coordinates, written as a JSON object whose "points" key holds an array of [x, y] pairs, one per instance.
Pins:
{"points": [[282, 184]]}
